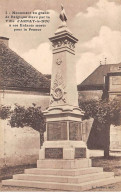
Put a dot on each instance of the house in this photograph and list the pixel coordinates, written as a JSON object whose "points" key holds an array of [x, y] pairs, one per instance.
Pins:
{"points": [[104, 82], [20, 83], [19, 77], [94, 85]]}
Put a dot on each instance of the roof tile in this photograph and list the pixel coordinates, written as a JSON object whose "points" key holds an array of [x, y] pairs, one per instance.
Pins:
{"points": [[15, 72]]}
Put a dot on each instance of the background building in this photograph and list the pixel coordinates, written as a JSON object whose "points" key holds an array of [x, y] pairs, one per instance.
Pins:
{"points": [[95, 85], [20, 84], [104, 82]]}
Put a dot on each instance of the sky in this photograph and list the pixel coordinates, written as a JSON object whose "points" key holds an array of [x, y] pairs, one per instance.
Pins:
{"points": [[96, 23]]}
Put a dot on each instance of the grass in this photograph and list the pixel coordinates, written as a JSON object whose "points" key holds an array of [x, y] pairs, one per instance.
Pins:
{"points": [[113, 163], [8, 172]]}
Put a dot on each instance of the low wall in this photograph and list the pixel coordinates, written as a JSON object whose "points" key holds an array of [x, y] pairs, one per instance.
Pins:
{"points": [[18, 146]]}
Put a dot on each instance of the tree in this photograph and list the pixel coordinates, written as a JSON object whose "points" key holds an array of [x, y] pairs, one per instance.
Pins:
{"points": [[104, 113], [28, 117], [21, 116], [31, 117]]}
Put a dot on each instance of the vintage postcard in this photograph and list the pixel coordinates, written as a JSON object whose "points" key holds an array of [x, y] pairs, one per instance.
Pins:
{"points": [[60, 95]]}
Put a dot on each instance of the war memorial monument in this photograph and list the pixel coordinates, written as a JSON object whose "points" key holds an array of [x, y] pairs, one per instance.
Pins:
{"points": [[63, 163]]}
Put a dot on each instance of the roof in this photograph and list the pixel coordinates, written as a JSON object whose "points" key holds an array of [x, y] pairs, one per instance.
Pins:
{"points": [[16, 73], [96, 79], [48, 76]]}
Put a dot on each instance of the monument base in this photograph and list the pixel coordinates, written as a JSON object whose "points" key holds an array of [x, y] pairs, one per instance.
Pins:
{"points": [[63, 150], [63, 175]]}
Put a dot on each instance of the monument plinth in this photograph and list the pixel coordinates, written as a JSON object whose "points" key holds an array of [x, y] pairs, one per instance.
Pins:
{"points": [[63, 137]]}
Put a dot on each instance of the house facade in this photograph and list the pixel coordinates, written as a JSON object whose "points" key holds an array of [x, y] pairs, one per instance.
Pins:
{"points": [[20, 84], [104, 82]]}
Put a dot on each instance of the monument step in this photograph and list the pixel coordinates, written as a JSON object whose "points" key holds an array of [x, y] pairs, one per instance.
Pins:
{"points": [[62, 186], [64, 172], [63, 179], [64, 164]]}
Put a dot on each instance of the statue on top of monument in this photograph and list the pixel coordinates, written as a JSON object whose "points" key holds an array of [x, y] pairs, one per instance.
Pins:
{"points": [[63, 16]]}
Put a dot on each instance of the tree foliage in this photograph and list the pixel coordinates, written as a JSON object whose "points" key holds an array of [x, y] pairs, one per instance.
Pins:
{"points": [[5, 112], [28, 117], [21, 116], [103, 111]]}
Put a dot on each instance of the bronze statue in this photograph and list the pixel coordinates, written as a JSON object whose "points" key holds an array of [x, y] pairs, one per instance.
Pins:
{"points": [[63, 16]]}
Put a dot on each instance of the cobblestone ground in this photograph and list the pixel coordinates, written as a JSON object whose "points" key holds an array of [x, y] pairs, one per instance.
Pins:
{"points": [[111, 164]]}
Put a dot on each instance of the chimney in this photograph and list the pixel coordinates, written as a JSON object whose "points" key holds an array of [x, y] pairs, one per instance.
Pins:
{"points": [[4, 40]]}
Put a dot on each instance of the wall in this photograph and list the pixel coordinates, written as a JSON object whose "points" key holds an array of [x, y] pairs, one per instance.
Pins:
{"points": [[20, 145], [90, 94], [115, 91], [114, 85], [115, 138], [9, 97]]}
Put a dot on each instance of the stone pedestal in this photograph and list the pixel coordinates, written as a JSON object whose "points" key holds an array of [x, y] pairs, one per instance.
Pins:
{"points": [[63, 137]]}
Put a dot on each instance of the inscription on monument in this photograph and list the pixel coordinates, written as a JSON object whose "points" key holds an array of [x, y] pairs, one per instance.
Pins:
{"points": [[80, 152], [75, 131], [56, 153], [56, 131]]}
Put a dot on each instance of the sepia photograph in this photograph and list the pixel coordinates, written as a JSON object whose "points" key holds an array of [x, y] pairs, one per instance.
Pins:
{"points": [[60, 96]]}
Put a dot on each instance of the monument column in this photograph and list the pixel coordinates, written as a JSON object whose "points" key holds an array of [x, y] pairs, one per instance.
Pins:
{"points": [[63, 137]]}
